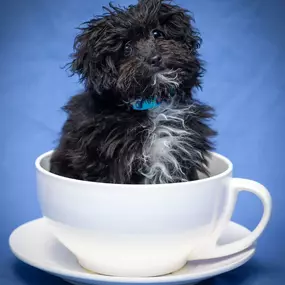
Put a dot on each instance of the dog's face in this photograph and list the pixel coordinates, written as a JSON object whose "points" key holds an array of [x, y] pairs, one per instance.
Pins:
{"points": [[147, 50]]}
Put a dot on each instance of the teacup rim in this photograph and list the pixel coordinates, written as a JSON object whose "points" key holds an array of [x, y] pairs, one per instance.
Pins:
{"points": [[116, 185]]}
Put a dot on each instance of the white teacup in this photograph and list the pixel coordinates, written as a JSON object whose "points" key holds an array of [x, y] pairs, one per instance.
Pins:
{"points": [[145, 230]]}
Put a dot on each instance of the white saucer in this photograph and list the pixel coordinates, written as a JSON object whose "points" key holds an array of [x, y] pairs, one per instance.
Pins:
{"points": [[33, 244]]}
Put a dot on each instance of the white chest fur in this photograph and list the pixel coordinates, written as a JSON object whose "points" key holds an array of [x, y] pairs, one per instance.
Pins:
{"points": [[169, 142]]}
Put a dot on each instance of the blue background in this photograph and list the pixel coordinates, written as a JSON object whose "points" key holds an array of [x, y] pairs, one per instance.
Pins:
{"points": [[244, 43]]}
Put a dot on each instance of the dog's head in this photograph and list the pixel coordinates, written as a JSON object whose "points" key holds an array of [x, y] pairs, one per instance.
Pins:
{"points": [[143, 51]]}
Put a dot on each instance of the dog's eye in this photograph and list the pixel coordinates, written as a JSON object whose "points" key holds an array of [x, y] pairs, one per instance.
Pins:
{"points": [[157, 34], [128, 49]]}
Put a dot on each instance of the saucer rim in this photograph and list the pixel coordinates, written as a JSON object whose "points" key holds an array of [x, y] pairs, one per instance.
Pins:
{"points": [[63, 273]]}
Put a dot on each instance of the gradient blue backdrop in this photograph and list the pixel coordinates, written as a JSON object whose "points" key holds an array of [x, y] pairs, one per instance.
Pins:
{"points": [[244, 43]]}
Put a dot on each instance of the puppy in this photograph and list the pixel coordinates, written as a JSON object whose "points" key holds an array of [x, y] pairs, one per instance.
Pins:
{"points": [[136, 121]]}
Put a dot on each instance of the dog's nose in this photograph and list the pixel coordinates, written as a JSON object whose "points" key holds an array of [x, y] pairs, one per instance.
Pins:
{"points": [[156, 60]]}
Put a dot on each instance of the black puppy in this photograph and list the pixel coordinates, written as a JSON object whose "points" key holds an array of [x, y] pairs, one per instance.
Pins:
{"points": [[137, 120]]}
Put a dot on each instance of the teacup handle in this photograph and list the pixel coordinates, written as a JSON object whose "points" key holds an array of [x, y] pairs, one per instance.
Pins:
{"points": [[239, 185]]}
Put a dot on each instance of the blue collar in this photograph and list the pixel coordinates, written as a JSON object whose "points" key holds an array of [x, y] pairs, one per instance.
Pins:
{"points": [[143, 104]]}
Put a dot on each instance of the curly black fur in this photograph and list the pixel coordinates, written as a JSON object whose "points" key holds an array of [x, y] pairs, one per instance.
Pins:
{"points": [[144, 51]]}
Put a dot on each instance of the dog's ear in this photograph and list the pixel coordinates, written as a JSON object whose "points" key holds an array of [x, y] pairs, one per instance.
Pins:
{"points": [[179, 25], [89, 60]]}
